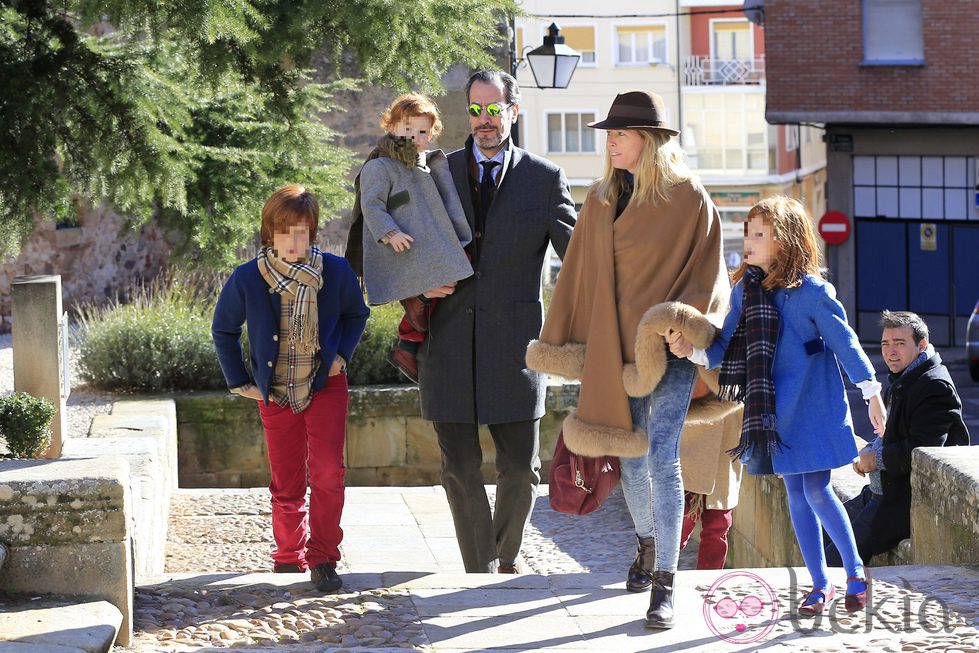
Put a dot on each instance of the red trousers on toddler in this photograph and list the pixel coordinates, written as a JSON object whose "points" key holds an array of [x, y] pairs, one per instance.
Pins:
{"points": [[714, 525], [310, 444]]}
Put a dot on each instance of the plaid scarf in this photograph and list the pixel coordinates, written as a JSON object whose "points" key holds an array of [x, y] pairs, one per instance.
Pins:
{"points": [[300, 281], [746, 371]]}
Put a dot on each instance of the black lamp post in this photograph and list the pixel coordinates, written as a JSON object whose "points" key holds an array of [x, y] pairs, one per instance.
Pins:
{"points": [[552, 64]]}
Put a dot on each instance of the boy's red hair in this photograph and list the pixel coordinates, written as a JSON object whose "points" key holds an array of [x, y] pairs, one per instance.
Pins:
{"points": [[289, 206]]}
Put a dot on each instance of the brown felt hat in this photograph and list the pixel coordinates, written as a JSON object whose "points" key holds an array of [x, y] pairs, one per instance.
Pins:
{"points": [[636, 110]]}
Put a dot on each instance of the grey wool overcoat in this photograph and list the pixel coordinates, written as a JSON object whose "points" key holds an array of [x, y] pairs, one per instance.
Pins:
{"points": [[472, 366]]}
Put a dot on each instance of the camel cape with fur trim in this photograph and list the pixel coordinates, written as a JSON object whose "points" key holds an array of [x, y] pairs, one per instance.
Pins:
{"points": [[614, 271]]}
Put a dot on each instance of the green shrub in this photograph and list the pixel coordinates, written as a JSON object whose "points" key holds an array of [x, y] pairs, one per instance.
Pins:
{"points": [[370, 365], [159, 341], [25, 424]]}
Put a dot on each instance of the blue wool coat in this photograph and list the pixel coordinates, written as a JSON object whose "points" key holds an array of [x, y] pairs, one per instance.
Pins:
{"points": [[811, 409], [247, 298]]}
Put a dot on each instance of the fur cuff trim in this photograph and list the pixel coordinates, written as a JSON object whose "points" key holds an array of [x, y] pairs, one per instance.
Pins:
{"points": [[566, 361], [643, 377], [592, 440]]}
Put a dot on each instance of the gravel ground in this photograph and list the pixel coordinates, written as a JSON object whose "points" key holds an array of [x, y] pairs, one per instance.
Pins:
{"points": [[84, 403]]}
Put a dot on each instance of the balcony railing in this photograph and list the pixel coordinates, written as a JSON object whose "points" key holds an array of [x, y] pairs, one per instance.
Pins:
{"points": [[705, 71]]}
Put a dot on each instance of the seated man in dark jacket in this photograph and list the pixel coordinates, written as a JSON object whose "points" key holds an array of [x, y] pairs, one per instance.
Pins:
{"points": [[923, 410]]}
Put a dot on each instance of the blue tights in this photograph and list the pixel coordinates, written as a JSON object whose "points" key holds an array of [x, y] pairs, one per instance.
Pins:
{"points": [[812, 504]]}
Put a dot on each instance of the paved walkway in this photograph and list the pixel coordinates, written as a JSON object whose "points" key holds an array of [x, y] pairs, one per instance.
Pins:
{"points": [[404, 589]]}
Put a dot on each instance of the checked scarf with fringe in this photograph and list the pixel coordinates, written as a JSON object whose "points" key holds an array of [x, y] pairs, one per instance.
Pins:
{"points": [[746, 371], [300, 282]]}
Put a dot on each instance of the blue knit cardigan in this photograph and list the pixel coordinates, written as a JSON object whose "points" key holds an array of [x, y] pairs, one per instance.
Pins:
{"points": [[247, 299], [812, 413]]}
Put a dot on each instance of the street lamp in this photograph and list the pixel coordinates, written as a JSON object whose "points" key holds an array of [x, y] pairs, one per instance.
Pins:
{"points": [[553, 63]]}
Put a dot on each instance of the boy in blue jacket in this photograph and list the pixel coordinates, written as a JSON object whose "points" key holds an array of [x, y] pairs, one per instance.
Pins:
{"points": [[305, 314]]}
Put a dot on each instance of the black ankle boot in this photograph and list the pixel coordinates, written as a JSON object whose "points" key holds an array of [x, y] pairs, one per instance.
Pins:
{"points": [[660, 613], [641, 572]]}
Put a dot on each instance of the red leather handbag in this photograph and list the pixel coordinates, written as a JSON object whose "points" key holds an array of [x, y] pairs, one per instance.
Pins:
{"points": [[578, 485]]}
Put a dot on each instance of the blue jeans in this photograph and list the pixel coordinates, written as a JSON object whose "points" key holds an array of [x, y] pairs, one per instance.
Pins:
{"points": [[651, 484]]}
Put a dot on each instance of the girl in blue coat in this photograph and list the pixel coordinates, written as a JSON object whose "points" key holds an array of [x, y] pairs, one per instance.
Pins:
{"points": [[305, 314], [779, 352]]}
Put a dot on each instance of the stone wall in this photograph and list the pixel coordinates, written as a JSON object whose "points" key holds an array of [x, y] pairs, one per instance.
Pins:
{"points": [[221, 443], [945, 505], [98, 259]]}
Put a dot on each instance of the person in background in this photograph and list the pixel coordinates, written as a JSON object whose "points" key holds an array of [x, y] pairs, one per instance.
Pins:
{"points": [[711, 477], [924, 410]]}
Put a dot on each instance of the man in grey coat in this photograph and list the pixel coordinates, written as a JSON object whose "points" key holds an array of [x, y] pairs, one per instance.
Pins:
{"points": [[471, 366]]}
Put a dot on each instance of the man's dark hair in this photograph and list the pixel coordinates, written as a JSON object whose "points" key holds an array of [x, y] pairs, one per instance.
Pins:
{"points": [[511, 91], [901, 319]]}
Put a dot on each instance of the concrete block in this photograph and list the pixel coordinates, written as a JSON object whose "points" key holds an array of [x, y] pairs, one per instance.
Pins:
{"points": [[221, 442], [89, 626], [165, 408], [384, 401], [63, 501], [149, 489], [402, 476], [361, 477], [375, 441], [68, 524], [944, 505], [36, 314], [421, 444]]}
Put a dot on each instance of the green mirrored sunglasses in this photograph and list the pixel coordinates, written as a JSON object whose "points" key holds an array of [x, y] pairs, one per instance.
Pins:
{"points": [[493, 109]]}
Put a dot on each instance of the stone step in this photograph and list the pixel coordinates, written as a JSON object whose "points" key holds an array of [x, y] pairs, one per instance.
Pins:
{"points": [[56, 625]]}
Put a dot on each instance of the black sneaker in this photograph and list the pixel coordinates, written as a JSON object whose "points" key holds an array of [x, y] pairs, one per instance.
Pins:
{"points": [[324, 577], [283, 568]]}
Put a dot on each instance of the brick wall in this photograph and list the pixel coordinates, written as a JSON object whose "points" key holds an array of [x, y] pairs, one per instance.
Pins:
{"points": [[814, 51]]}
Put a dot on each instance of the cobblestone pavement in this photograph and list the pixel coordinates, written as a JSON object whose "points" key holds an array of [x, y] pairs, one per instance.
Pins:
{"points": [[916, 609], [213, 532]]}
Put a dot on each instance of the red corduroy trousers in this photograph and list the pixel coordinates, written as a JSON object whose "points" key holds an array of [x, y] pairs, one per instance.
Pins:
{"points": [[307, 444]]}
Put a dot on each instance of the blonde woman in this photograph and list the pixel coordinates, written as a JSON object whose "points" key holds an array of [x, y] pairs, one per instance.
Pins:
{"points": [[648, 233]]}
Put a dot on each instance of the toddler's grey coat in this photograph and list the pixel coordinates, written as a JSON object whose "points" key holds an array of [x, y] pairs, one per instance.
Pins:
{"points": [[423, 203]]}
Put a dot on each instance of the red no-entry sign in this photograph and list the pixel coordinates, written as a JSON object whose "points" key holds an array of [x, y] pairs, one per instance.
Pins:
{"points": [[834, 227]]}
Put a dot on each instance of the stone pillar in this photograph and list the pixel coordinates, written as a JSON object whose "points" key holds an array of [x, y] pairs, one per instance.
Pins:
{"points": [[36, 314]]}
